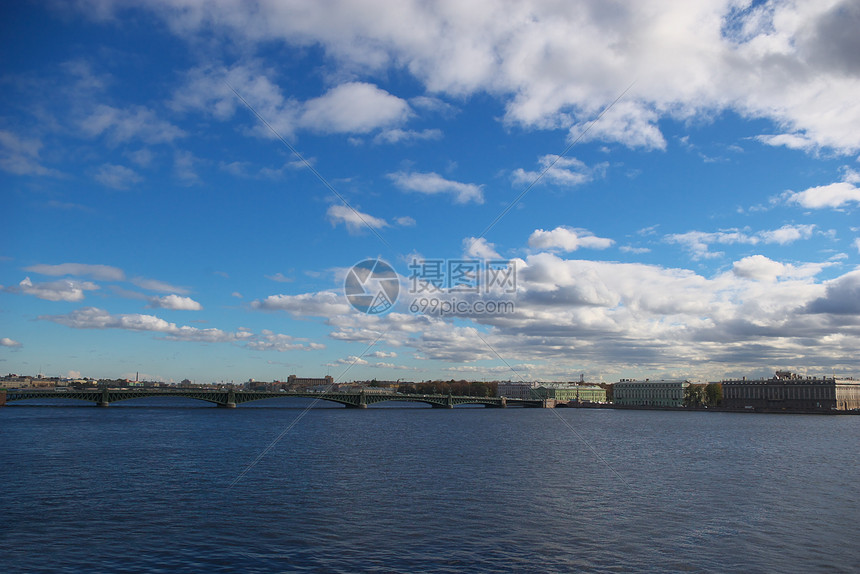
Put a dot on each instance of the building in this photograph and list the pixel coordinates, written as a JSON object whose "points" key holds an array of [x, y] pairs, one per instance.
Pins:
{"points": [[787, 391], [584, 393], [649, 393], [294, 381], [517, 390]]}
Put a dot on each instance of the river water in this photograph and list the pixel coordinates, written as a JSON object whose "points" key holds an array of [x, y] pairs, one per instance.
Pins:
{"points": [[173, 485]]}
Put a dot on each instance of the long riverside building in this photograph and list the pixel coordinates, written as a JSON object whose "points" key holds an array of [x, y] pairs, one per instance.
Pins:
{"points": [[787, 391], [649, 393]]}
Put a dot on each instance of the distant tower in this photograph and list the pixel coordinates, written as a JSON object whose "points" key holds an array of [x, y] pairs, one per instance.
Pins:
{"points": [[136, 376]]}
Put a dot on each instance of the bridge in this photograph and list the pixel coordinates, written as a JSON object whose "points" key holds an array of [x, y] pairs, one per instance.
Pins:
{"points": [[230, 398]]}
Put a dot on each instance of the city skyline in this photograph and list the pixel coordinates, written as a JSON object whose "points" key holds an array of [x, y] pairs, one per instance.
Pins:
{"points": [[187, 187]]}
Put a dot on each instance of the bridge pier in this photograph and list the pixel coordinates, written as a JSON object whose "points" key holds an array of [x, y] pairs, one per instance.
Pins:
{"points": [[104, 401], [102, 404], [227, 405]]}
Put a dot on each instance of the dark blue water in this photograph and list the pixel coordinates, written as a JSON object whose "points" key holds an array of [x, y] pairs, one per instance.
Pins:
{"points": [[145, 486]]}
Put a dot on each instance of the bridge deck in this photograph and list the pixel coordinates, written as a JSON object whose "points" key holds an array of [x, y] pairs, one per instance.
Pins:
{"points": [[232, 398]]}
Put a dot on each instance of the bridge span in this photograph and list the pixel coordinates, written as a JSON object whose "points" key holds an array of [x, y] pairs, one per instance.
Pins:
{"points": [[232, 398]]}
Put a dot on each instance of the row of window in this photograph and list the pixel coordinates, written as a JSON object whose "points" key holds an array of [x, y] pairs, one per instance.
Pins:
{"points": [[763, 392]]}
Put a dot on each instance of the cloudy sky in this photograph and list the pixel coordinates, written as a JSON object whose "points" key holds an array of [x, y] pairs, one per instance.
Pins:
{"points": [[186, 184]]}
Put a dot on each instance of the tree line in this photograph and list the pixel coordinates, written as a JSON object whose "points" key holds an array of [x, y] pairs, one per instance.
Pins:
{"points": [[452, 387], [710, 395]]}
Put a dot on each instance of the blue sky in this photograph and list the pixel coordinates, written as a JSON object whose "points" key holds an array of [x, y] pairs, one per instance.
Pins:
{"points": [[687, 179]]}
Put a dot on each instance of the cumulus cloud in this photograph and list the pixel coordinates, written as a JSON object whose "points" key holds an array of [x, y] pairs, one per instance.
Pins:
{"points": [[567, 239], [351, 107], [480, 248], [354, 220], [758, 267], [55, 290], [630, 123], [322, 304], [382, 354], [95, 318], [555, 170], [175, 302], [270, 341], [698, 242], [433, 184], [559, 64], [842, 296], [761, 268], [354, 107], [608, 315], [351, 360], [834, 195], [7, 342]]}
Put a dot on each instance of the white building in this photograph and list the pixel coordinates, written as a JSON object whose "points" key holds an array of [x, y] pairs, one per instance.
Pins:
{"points": [[517, 390]]}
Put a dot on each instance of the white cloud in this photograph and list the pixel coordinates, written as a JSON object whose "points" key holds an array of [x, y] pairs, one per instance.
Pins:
{"points": [[758, 267], [635, 250], [95, 318], [156, 285], [7, 342], [100, 272], [433, 183], [322, 304], [280, 278], [351, 360], [480, 248], [630, 123], [833, 195], [567, 239], [20, 155], [354, 107], [578, 314], [183, 167], [125, 125], [175, 302], [787, 234], [792, 141], [404, 221], [56, 290], [561, 171], [698, 242], [397, 135], [207, 89], [116, 176], [382, 354], [355, 220], [558, 64], [269, 341]]}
